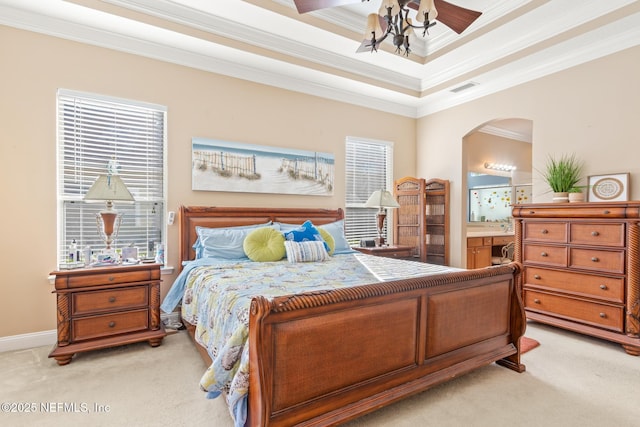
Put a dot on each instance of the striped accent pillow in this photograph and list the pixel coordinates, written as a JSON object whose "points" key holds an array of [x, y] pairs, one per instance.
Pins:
{"points": [[307, 251]]}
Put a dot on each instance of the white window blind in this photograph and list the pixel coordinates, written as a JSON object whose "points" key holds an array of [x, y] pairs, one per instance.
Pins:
{"points": [[92, 130], [368, 168]]}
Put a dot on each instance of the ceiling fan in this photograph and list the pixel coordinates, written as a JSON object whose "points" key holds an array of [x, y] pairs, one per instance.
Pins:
{"points": [[393, 19]]}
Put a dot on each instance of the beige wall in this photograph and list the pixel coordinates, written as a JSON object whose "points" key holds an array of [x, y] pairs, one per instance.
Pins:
{"points": [[199, 104], [590, 110]]}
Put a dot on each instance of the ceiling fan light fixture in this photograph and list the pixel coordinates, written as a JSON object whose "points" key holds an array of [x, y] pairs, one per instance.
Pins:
{"points": [[393, 19], [374, 29], [426, 10], [385, 5]]}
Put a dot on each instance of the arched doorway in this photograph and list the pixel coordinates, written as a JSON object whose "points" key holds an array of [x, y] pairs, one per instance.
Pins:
{"points": [[502, 142]]}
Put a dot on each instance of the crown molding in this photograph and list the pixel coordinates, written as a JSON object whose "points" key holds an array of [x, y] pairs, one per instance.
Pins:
{"points": [[183, 49], [505, 133]]}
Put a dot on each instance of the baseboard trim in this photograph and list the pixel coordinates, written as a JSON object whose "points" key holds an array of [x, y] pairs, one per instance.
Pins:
{"points": [[39, 339], [24, 341]]}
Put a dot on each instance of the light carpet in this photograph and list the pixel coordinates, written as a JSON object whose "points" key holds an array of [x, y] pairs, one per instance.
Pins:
{"points": [[571, 380]]}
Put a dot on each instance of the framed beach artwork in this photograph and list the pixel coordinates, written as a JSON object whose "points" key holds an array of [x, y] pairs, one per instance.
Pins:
{"points": [[609, 188], [240, 167]]}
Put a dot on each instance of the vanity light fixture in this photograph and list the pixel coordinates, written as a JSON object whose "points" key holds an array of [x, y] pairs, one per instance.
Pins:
{"points": [[500, 167]]}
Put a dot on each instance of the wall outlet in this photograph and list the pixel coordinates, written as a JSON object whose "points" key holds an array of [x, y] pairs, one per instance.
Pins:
{"points": [[171, 216]]}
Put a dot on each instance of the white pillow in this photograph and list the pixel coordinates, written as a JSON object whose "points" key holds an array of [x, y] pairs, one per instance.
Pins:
{"points": [[307, 251]]}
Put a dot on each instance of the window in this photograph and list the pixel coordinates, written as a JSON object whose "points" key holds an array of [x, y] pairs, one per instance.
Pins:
{"points": [[92, 131], [368, 168]]}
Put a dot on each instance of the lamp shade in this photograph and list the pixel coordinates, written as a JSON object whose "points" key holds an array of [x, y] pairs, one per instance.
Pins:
{"points": [[374, 29], [381, 199], [427, 6], [109, 188]]}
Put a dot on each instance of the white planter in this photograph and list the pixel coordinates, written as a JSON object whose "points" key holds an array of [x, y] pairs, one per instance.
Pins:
{"points": [[560, 197], [576, 197]]}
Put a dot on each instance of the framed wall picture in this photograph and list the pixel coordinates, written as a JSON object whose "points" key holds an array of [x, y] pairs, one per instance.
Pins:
{"points": [[235, 166], [609, 188]]}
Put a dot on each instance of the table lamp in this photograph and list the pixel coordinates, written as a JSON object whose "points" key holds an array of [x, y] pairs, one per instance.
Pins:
{"points": [[381, 199], [108, 188]]}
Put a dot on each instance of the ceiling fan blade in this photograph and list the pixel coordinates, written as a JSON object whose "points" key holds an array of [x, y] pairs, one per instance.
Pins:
{"points": [[305, 6], [455, 17]]}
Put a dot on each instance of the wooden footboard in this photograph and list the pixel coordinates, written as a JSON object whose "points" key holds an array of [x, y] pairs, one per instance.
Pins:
{"points": [[327, 357]]}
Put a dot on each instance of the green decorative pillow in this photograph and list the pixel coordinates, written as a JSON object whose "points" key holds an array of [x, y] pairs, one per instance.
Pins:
{"points": [[264, 244], [328, 239]]}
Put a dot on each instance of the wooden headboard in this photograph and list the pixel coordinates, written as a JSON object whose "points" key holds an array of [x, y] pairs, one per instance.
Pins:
{"points": [[214, 217]]}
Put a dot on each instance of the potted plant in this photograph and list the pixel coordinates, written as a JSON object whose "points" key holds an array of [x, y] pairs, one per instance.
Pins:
{"points": [[576, 195], [562, 174]]}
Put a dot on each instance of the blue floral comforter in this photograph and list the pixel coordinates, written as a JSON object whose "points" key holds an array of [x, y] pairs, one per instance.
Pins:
{"points": [[216, 297]]}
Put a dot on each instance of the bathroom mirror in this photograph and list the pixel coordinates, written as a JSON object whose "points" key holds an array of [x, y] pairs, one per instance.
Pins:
{"points": [[490, 197]]}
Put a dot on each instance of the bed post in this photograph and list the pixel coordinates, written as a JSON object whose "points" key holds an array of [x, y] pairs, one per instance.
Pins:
{"points": [[518, 324]]}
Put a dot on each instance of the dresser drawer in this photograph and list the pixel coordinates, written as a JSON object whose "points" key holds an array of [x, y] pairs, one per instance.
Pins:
{"points": [[543, 254], [545, 231], [475, 242], [110, 278], [605, 288], [597, 234], [597, 260], [109, 324], [93, 302], [597, 314], [502, 240]]}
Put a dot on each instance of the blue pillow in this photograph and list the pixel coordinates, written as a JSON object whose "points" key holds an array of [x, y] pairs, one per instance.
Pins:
{"points": [[336, 229], [307, 232], [223, 242]]}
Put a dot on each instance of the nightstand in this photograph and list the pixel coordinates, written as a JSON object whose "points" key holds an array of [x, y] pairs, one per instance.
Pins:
{"points": [[105, 307], [387, 251]]}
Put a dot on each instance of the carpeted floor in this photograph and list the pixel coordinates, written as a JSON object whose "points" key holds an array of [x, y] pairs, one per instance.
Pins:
{"points": [[571, 380]]}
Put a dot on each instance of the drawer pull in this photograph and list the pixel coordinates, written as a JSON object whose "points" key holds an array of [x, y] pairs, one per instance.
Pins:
{"points": [[595, 259], [532, 212], [543, 254], [603, 287], [606, 212], [111, 279], [536, 300], [544, 231], [603, 315], [112, 299], [536, 276], [595, 233], [112, 324]]}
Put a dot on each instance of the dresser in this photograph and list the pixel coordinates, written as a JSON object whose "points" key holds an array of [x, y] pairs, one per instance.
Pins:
{"points": [[106, 307], [581, 267]]}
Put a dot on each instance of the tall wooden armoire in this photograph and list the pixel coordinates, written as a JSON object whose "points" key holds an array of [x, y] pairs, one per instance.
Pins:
{"points": [[422, 220], [437, 213]]}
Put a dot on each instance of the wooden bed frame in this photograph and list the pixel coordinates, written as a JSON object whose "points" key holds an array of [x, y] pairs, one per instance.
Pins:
{"points": [[323, 358]]}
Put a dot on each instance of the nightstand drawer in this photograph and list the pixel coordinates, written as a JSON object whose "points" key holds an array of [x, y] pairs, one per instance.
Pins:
{"points": [[114, 299], [601, 315], [546, 231], [109, 324], [547, 255], [606, 288], [597, 234], [111, 278], [597, 260]]}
